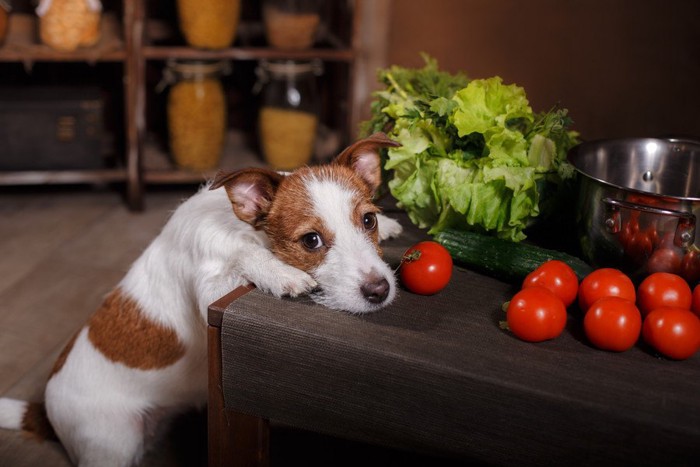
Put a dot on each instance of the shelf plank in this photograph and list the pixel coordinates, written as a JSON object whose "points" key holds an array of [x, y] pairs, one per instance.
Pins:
{"points": [[65, 177], [22, 43], [247, 53]]}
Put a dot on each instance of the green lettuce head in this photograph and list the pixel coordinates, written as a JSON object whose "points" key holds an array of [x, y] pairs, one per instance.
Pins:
{"points": [[474, 157]]}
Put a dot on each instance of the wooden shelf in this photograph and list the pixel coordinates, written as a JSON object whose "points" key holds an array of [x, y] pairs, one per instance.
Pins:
{"points": [[22, 43], [246, 53], [131, 37]]}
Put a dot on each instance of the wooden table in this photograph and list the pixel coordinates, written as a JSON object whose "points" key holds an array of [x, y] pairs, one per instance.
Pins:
{"points": [[437, 375]]}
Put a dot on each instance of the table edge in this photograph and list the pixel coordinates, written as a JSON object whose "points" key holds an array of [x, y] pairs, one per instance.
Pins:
{"points": [[215, 313]]}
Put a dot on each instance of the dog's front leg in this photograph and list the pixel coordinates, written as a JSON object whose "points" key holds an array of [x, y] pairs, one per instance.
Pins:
{"points": [[247, 261], [271, 275]]}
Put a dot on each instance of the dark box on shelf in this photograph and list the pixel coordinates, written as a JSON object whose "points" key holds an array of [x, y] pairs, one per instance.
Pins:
{"points": [[51, 128]]}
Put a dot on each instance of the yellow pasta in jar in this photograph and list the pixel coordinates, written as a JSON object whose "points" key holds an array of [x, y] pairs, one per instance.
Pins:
{"points": [[288, 30], [197, 123], [287, 137], [210, 24]]}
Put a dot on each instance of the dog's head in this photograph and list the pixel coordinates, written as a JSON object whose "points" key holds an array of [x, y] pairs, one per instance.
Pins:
{"points": [[322, 220]]}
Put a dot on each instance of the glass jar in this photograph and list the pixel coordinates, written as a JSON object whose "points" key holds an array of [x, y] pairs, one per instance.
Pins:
{"points": [[291, 24], [288, 117], [66, 25], [209, 24], [196, 112]]}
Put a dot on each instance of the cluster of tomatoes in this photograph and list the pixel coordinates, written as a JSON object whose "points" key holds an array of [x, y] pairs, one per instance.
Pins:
{"points": [[644, 246], [663, 309]]}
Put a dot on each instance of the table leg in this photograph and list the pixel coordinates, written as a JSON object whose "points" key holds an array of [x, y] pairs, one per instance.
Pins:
{"points": [[234, 439]]}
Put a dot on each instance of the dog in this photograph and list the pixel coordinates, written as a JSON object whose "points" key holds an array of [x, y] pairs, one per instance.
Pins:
{"points": [[142, 355]]}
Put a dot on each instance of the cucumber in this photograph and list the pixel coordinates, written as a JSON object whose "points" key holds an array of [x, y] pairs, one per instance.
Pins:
{"points": [[502, 259]]}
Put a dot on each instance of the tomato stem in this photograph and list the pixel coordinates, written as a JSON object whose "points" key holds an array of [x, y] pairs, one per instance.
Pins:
{"points": [[412, 256]]}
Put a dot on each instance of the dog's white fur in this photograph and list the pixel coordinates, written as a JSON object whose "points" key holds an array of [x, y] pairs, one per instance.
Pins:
{"points": [[102, 403]]}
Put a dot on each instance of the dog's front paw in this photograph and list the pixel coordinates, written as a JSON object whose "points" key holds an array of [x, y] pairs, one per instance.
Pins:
{"points": [[388, 228], [287, 280]]}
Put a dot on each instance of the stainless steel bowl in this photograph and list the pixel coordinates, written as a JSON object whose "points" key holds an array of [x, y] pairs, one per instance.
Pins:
{"points": [[638, 204]]}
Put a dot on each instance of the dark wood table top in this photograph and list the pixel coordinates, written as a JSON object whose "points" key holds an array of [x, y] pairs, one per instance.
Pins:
{"points": [[438, 373]]}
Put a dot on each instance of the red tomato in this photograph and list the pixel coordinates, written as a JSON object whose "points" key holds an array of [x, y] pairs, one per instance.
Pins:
{"points": [[695, 307], [535, 314], [663, 289], [690, 266], [667, 240], [639, 247], [556, 276], [665, 259], [426, 268], [613, 323], [673, 332], [629, 228], [605, 282]]}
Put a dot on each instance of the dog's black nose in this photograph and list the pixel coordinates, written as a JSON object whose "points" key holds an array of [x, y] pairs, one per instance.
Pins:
{"points": [[375, 291]]}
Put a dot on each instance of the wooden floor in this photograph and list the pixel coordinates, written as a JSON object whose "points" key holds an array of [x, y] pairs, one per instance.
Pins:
{"points": [[61, 251]]}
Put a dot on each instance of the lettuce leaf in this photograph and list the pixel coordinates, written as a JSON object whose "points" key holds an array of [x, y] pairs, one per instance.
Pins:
{"points": [[487, 104]]}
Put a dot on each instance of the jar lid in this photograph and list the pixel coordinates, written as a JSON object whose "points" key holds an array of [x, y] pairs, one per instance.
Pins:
{"points": [[292, 67], [284, 68], [192, 70], [45, 5]]}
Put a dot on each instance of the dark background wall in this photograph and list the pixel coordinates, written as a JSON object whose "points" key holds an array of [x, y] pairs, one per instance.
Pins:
{"points": [[621, 67]]}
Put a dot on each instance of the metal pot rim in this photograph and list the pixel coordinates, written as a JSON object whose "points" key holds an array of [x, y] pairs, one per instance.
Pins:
{"points": [[581, 149]]}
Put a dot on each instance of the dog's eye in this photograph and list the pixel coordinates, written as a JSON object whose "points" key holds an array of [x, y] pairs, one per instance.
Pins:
{"points": [[312, 241], [370, 221]]}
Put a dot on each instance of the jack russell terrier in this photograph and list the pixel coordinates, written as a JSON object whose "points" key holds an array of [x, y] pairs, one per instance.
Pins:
{"points": [[142, 355]]}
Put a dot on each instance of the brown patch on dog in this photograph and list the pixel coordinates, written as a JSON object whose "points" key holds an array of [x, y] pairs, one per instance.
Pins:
{"points": [[36, 424], [292, 214], [121, 332], [61, 360], [291, 217], [287, 243]]}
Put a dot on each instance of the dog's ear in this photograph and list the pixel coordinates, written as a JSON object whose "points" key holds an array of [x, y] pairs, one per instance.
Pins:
{"points": [[251, 192], [363, 157]]}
